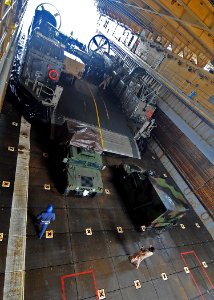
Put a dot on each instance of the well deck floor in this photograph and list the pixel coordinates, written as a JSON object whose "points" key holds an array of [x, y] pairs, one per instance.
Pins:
{"points": [[106, 251]]}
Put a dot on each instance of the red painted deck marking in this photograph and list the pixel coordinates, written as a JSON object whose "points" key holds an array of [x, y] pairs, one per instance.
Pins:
{"points": [[193, 278], [208, 278], [75, 275]]}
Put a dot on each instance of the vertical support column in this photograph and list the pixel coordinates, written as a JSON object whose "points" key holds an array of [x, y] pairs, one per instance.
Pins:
{"points": [[2, 7], [15, 262]]}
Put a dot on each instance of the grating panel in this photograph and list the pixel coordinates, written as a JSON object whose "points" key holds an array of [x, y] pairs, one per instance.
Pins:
{"points": [[148, 289], [127, 273], [44, 283], [95, 246], [49, 252], [104, 273], [80, 219], [123, 244], [170, 289]]}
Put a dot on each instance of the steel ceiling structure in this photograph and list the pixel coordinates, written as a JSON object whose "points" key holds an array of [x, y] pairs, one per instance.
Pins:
{"points": [[188, 25]]}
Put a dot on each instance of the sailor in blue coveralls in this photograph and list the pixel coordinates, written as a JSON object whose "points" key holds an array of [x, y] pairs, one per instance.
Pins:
{"points": [[45, 218]]}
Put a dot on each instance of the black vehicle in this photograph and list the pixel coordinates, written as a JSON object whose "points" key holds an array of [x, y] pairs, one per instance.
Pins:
{"points": [[152, 201], [51, 59]]}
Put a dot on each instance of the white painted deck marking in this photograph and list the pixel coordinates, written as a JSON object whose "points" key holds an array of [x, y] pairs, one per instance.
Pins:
{"points": [[5, 184], [101, 294], [1, 236], [143, 228], [137, 284], [164, 276], [49, 234], [47, 186], [88, 231], [107, 192], [15, 261], [182, 226], [119, 229], [204, 264], [10, 148]]}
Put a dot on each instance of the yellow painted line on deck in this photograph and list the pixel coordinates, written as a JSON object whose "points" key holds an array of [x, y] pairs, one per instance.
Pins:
{"points": [[98, 118], [106, 109], [84, 106]]}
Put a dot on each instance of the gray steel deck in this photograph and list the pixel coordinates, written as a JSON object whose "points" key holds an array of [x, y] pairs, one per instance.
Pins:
{"points": [[106, 251], [78, 103]]}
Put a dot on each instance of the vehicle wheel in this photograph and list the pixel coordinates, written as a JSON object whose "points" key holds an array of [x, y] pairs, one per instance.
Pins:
{"points": [[92, 195], [78, 194], [66, 192], [51, 12], [72, 81], [99, 44], [142, 145]]}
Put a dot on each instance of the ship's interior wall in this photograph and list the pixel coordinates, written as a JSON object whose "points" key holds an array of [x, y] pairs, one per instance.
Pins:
{"points": [[180, 72], [197, 170]]}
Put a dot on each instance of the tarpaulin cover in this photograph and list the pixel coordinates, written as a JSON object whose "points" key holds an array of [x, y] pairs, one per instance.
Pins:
{"points": [[79, 134]]}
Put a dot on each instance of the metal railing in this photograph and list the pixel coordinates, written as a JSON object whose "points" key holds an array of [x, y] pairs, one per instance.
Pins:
{"points": [[9, 17]]}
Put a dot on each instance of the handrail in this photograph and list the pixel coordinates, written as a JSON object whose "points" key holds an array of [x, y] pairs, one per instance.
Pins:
{"points": [[7, 22], [7, 11], [2, 38]]}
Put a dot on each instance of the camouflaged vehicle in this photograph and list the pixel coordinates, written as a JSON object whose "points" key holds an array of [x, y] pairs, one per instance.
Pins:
{"points": [[82, 171], [151, 200]]}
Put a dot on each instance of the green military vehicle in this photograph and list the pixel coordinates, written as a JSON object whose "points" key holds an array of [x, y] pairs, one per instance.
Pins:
{"points": [[80, 150], [82, 171], [152, 201]]}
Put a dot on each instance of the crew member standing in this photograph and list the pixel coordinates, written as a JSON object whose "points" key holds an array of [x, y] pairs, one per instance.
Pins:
{"points": [[107, 76], [45, 218], [139, 256], [192, 95]]}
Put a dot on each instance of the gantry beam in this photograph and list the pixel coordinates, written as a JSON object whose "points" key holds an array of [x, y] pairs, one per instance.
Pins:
{"points": [[208, 25], [187, 20], [204, 38], [184, 29], [186, 38], [170, 30]]}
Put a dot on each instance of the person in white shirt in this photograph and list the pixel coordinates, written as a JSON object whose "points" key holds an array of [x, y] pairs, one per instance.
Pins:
{"points": [[139, 256], [106, 81]]}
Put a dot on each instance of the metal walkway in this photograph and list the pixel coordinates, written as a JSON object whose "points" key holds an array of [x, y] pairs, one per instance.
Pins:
{"points": [[120, 144], [133, 61]]}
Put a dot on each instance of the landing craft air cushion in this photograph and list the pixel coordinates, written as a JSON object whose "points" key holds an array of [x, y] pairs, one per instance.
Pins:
{"points": [[45, 62]]}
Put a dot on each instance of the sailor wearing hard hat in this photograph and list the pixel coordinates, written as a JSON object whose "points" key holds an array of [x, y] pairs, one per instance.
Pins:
{"points": [[45, 218]]}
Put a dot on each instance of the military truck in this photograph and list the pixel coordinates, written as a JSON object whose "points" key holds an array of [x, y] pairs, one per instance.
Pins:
{"points": [[79, 157], [153, 202], [82, 172]]}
